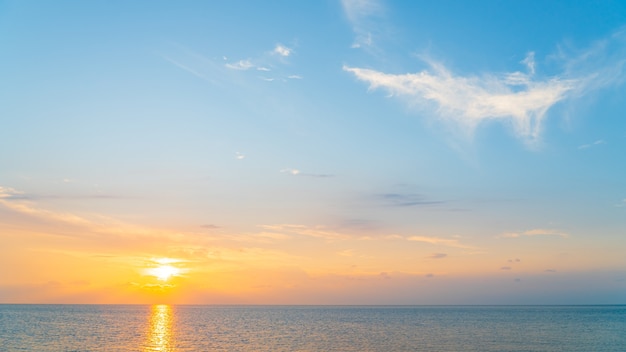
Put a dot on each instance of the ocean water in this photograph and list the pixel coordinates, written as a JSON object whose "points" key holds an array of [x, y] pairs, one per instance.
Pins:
{"points": [[312, 328]]}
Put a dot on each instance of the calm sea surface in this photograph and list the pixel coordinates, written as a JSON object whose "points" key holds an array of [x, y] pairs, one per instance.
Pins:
{"points": [[311, 328]]}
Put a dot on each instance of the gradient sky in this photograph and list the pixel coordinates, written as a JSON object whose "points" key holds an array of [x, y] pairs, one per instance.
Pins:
{"points": [[313, 152]]}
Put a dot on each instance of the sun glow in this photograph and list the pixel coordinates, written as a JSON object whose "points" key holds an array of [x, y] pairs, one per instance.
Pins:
{"points": [[164, 272], [165, 268]]}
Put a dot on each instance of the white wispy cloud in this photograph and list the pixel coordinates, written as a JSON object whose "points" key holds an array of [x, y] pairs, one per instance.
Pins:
{"points": [[470, 100], [239, 156], [622, 204], [360, 14], [529, 61], [282, 50], [8, 192], [346, 253], [241, 65], [587, 146], [296, 172], [535, 232], [438, 241], [268, 61], [185, 67], [291, 171], [519, 98], [312, 231]]}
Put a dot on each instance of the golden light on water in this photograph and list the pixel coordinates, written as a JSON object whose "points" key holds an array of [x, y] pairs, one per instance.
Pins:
{"points": [[160, 337]]}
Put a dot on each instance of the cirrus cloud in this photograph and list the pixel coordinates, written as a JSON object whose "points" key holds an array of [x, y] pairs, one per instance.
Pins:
{"points": [[535, 232], [470, 100], [522, 99]]}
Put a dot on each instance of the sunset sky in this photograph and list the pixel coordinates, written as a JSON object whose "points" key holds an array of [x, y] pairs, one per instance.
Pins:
{"points": [[313, 152]]}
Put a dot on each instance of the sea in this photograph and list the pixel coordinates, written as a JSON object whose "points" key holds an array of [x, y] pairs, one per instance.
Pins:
{"points": [[45, 328]]}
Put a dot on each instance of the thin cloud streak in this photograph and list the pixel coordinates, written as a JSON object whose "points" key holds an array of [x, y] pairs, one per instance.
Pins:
{"points": [[407, 200], [360, 13], [315, 231], [587, 146], [439, 241], [241, 65], [296, 172], [535, 232]]}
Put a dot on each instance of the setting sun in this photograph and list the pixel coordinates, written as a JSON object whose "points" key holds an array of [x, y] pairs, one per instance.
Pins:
{"points": [[164, 272]]}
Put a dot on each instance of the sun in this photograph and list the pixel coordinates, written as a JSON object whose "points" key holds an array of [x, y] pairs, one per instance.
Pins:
{"points": [[165, 268], [164, 272]]}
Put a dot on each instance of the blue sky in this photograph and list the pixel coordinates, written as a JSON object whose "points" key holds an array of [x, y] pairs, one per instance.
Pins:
{"points": [[420, 140]]}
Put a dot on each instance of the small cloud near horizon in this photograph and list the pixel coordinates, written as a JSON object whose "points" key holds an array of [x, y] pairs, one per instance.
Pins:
{"points": [[534, 232], [406, 199], [210, 226], [296, 172]]}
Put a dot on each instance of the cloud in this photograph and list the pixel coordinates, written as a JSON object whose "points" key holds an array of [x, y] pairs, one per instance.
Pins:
{"points": [[187, 68], [505, 268], [95, 227], [282, 50], [264, 61], [587, 146], [438, 241], [618, 205], [471, 100], [239, 156], [362, 14], [9, 193], [210, 226], [406, 199], [296, 172], [535, 232], [529, 61], [312, 231], [519, 98], [219, 70], [241, 65], [346, 253], [438, 255]]}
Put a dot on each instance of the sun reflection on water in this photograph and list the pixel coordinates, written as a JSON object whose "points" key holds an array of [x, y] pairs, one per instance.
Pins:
{"points": [[160, 337]]}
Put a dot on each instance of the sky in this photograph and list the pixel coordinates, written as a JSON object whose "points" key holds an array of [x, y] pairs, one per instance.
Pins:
{"points": [[313, 152]]}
